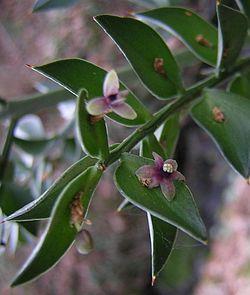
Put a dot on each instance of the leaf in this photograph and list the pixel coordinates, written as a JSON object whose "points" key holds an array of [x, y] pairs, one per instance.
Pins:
{"points": [[232, 27], [59, 234], [147, 53], [41, 207], [44, 5], [82, 74], [195, 32], [245, 8], [150, 144], [241, 85], [162, 234], [232, 135], [34, 103], [14, 197], [170, 134], [33, 147], [180, 212], [93, 136]]}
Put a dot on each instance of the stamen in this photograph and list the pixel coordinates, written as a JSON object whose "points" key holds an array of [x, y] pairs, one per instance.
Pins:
{"points": [[167, 167]]}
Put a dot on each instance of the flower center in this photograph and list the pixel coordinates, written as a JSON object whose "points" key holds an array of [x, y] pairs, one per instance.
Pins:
{"points": [[113, 97], [167, 167]]}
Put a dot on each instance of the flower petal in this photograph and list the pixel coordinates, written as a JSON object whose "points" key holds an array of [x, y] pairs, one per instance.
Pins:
{"points": [[111, 84], [97, 106], [124, 110], [123, 93], [146, 171], [178, 176], [158, 160], [168, 190]]}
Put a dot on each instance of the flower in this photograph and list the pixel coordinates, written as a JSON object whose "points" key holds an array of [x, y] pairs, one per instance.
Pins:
{"points": [[160, 174], [112, 100]]}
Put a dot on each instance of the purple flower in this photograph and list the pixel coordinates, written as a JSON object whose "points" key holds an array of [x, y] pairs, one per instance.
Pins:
{"points": [[160, 174], [112, 100]]}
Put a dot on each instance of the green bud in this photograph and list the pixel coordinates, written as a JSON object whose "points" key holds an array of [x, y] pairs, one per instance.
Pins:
{"points": [[84, 242]]}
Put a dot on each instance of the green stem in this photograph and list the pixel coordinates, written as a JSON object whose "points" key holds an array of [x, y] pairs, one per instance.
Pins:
{"points": [[6, 148], [190, 95]]}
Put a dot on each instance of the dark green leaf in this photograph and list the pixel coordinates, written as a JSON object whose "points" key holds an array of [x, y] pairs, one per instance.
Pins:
{"points": [[76, 74], [14, 197], [33, 147], [245, 7], [44, 5], [60, 233], [232, 26], [162, 236], [41, 207], [180, 212], [241, 85], [225, 116], [92, 136], [150, 144], [195, 32], [147, 53], [170, 134]]}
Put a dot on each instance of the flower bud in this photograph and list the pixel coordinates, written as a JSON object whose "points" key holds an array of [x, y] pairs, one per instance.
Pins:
{"points": [[84, 242]]}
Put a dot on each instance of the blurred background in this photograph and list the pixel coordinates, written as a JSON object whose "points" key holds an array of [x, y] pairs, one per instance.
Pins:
{"points": [[120, 262]]}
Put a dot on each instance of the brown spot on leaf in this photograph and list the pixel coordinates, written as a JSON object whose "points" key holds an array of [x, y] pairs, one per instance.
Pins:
{"points": [[159, 66], [102, 166], [95, 119], [188, 13], [218, 115], [77, 210], [202, 41], [225, 52], [145, 181]]}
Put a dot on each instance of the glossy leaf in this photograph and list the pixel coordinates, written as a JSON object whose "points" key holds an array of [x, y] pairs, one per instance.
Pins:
{"points": [[225, 116], [232, 27], [189, 27], [147, 53], [93, 136], [241, 85], [170, 134], [76, 74], [180, 212], [44, 5], [60, 233], [162, 234], [41, 207]]}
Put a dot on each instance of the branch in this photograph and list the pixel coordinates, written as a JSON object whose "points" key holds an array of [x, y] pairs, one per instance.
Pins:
{"points": [[190, 95]]}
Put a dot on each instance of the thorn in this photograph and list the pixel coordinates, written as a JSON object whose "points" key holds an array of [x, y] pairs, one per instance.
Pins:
{"points": [[153, 280], [205, 242]]}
